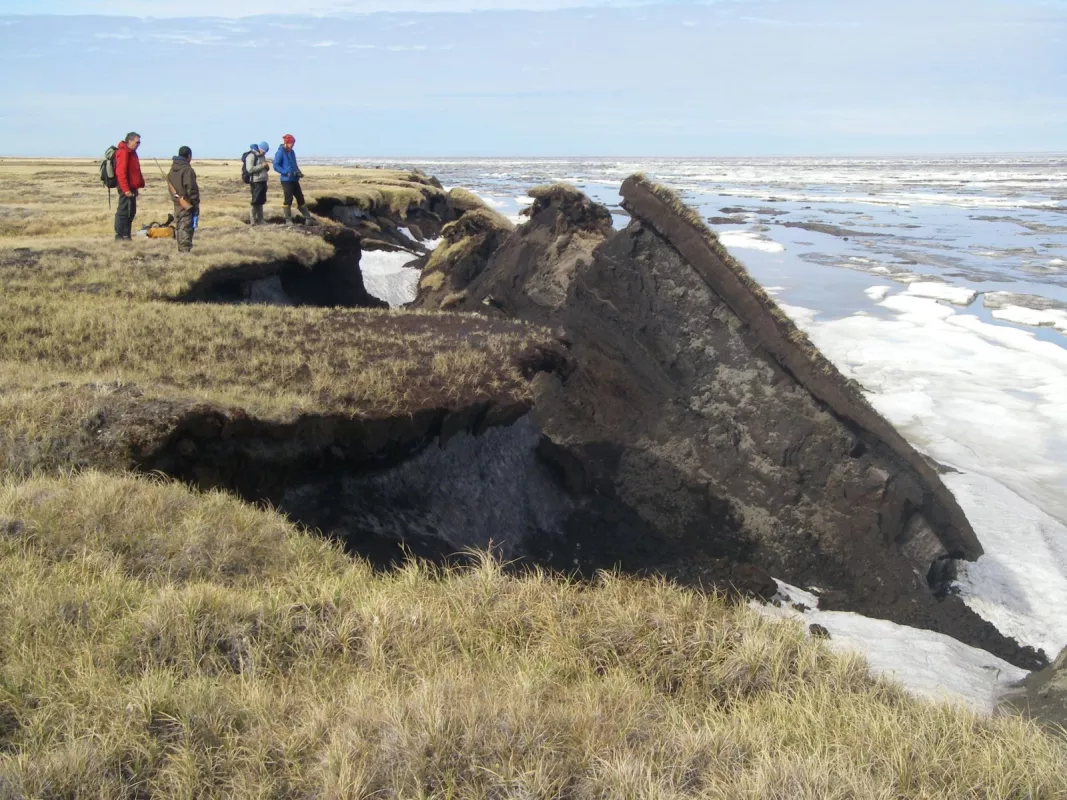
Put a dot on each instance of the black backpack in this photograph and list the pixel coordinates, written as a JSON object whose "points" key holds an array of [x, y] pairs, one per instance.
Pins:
{"points": [[245, 176], [107, 169]]}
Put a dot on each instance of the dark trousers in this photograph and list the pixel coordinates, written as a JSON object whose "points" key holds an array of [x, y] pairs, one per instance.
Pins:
{"points": [[259, 193], [183, 227], [124, 215], [291, 189]]}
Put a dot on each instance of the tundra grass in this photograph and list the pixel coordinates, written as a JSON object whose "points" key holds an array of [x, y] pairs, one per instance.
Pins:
{"points": [[64, 198], [144, 269], [272, 360], [156, 642]]}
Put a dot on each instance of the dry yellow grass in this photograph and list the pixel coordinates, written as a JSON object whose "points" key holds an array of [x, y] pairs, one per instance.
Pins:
{"points": [[65, 361], [432, 281], [149, 268], [155, 642], [64, 197]]}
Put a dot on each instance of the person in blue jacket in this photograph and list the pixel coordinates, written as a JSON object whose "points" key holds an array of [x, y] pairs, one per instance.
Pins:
{"points": [[286, 166]]}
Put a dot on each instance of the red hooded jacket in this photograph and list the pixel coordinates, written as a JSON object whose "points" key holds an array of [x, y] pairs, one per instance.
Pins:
{"points": [[128, 169]]}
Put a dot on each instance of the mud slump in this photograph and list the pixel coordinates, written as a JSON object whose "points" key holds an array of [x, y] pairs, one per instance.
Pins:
{"points": [[444, 484], [689, 431], [333, 282]]}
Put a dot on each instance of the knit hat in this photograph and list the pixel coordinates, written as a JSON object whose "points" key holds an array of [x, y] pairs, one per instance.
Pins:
{"points": [[185, 152], [289, 139], [264, 146]]}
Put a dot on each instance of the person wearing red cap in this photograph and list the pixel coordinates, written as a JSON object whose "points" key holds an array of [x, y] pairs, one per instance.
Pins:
{"points": [[286, 166]]}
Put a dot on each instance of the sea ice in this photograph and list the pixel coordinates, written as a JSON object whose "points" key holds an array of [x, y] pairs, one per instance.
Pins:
{"points": [[746, 240], [1020, 583], [877, 293], [991, 401], [1051, 317], [957, 295]]}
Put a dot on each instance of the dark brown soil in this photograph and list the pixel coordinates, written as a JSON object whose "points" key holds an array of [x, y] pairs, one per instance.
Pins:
{"points": [[335, 282], [693, 429]]}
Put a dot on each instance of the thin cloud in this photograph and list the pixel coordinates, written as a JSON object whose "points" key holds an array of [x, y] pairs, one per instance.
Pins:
{"points": [[201, 40], [236, 9], [799, 23]]}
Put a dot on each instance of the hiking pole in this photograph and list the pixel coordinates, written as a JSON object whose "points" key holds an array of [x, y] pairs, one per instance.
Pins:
{"points": [[173, 192]]}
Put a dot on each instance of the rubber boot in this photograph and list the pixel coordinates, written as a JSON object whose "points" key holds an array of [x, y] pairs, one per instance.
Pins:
{"points": [[259, 216], [308, 219], [287, 212], [252, 216]]}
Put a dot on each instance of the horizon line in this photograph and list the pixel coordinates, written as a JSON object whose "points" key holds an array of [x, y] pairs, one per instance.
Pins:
{"points": [[939, 154]]}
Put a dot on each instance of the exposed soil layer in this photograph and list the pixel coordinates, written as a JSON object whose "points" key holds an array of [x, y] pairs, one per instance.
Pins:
{"points": [[696, 405], [380, 227], [463, 254], [337, 281], [281, 461]]}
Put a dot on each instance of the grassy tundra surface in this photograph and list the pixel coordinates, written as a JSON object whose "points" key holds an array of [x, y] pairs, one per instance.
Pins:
{"points": [[55, 224], [83, 322], [156, 641], [64, 197]]}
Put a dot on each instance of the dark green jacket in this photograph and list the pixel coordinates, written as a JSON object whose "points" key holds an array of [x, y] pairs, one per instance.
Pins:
{"points": [[183, 178]]}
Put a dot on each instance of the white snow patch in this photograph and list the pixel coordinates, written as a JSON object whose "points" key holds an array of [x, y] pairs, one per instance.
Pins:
{"points": [[1051, 317], [493, 202], [387, 278], [1057, 262], [877, 293], [957, 295], [1019, 583], [746, 240], [929, 665], [991, 401], [524, 201], [432, 244]]}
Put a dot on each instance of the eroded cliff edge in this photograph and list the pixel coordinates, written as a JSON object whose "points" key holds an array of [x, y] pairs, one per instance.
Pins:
{"points": [[699, 407]]}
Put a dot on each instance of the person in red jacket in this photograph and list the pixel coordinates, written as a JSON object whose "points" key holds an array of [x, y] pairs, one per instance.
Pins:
{"points": [[128, 175]]}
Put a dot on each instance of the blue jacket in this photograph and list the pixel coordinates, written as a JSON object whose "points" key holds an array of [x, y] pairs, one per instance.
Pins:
{"points": [[285, 165]]}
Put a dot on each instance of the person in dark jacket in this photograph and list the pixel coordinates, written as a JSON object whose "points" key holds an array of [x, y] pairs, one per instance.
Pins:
{"points": [[286, 166], [186, 195], [258, 167], [130, 181]]}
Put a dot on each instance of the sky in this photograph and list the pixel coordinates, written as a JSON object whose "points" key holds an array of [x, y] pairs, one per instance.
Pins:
{"points": [[424, 78]]}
